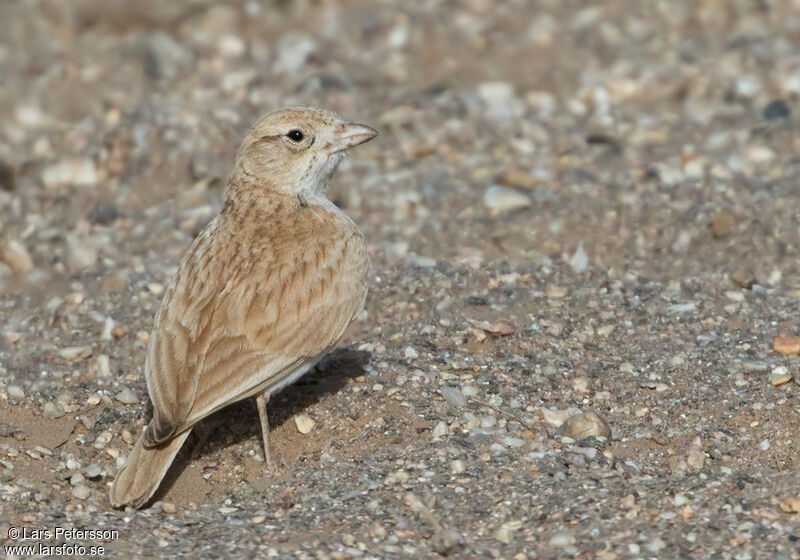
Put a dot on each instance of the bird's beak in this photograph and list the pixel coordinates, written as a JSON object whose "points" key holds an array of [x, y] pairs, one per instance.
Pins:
{"points": [[348, 135]]}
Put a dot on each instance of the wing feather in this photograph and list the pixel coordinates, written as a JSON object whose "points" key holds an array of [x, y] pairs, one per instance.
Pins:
{"points": [[233, 327]]}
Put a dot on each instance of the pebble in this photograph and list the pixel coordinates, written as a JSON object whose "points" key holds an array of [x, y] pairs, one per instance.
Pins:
{"points": [[74, 353], [562, 539], [93, 471], [304, 423], [507, 530], [499, 199], [580, 260], [457, 467], [786, 344], [445, 541], [586, 424], [744, 278], [440, 430], [76, 479], [776, 109], [102, 213], [453, 396], [81, 492], [556, 417], [15, 392], [510, 441], [53, 410], [81, 254], [790, 505], [497, 328], [168, 507], [101, 367], [499, 100], [72, 171], [779, 379], [555, 292], [15, 255], [410, 353], [126, 396]]}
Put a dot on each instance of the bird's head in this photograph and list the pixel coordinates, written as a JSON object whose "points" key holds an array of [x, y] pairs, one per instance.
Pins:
{"points": [[296, 149]]}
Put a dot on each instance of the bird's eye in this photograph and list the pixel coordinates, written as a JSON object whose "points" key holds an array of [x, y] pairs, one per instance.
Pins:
{"points": [[295, 135]]}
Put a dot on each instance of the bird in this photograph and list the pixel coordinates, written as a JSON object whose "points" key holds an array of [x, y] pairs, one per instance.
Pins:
{"points": [[265, 291]]}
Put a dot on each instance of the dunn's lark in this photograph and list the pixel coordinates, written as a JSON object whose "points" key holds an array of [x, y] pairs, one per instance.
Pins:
{"points": [[264, 292]]}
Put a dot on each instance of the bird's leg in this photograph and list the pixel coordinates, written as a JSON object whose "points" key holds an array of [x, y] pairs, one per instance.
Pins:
{"points": [[261, 403]]}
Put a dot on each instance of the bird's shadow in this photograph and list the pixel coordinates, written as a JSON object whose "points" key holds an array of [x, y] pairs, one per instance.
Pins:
{"points": [[241, 419]]}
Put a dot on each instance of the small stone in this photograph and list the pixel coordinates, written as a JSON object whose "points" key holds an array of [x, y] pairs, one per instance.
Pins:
{"points": [[127, 437], [506, 531], [777, 109], [81, 253], [15, 392], [510, 441], [586, 424], [556, 418], [168, 507], [499, 100], [76, 479], [101, 367], [497, 328], [103, 213], [457, 467], [304, 423], [780, 379], [722, 223], [790, 505], [744, 278], [445, 541], [81, 492], [440, 430], [410, 353], [499, 199], [73, 171], [53, 410], [786, 344], [15, 255], [555, 292], [453, 396], [580, 260], [765, 445], [680, 500], [695, 457], [74, 353], [562, 539], [93, 471], [126, 396], [258, 519], [155, 288]]}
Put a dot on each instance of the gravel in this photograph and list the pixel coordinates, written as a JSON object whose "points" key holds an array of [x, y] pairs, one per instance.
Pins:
{"points": [[582, 332]]}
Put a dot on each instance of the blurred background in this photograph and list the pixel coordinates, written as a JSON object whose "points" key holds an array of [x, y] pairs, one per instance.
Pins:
{"points": [[657, 136]]}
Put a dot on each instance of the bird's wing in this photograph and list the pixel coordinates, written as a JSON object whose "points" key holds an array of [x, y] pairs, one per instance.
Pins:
{"points": [[231, 327]]}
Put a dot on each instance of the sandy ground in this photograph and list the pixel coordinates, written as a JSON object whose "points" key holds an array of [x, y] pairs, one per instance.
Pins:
{"points": [[584, 220]]}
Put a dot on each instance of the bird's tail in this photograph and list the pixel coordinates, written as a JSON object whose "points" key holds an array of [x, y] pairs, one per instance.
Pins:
{"points": [[138, 480]]}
